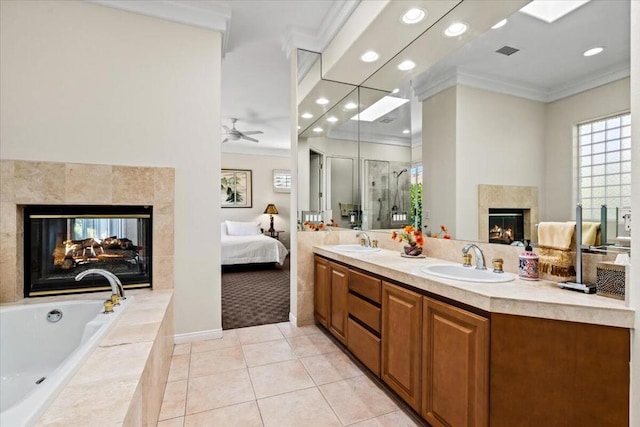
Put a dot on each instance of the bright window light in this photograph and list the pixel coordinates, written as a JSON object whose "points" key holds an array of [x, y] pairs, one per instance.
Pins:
{"points": [[550, 11], [499, 24], [307, 115], [593, 51], [406, 65], [370, 56], [322, 101], [380, 108], [413, 15], [456, 29], [332, 119]]}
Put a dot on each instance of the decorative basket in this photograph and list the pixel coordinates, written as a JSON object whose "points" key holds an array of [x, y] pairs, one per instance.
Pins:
{"points": [[610, 279]]}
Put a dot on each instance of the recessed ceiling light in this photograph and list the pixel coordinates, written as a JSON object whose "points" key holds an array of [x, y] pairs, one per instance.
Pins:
{"points": [[550, 11], [380, 108], [350, 105], [370, 56], [298, 127], [406, 131], [406, 65], [456, 29], [499, 24], [396, 90], [322, 101], [593, 51], [332, 119], [307, 115], [413, 15], [317, 130]]}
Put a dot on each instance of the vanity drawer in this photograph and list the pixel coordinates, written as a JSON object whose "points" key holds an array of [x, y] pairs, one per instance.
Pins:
{"points": [[364, 311], [364, 345], [367, 286]]}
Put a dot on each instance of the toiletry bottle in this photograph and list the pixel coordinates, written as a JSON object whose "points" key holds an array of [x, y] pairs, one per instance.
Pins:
{"points": [[528, 263]]}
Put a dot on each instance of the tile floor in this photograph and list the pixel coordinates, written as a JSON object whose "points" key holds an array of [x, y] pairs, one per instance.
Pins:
{"points": [[272, 375]]}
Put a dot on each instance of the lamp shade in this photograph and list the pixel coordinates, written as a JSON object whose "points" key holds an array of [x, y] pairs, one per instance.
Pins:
{"points": [[271, 209]]}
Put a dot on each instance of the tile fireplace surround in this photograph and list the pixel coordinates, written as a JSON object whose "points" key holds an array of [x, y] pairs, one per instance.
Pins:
{"points": [[40, 183]]}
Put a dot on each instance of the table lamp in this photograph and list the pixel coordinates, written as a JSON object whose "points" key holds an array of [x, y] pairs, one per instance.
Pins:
{"points": [[271, 210]]}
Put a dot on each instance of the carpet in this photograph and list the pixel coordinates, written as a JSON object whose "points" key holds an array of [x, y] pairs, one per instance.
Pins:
{"points": [[256, 294]]}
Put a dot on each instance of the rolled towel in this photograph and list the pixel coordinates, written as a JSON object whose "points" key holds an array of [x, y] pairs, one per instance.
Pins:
{"points": [[554, 242], [591, 233]]}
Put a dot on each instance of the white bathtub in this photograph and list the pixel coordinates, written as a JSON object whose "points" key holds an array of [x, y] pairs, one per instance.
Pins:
{"points": [[33, 347]]}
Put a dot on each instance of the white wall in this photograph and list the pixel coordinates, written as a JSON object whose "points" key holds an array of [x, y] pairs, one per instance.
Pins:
{"points": [[499, 141], [560, 190], [262, 170], [90, 84]]}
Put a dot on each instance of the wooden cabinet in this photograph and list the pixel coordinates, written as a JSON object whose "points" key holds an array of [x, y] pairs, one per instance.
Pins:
{"points": [[364, 319], [401, 342], [331, 287], [455, 370]]}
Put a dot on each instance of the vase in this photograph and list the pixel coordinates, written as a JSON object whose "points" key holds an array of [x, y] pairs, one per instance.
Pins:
{"points": [[413, 250]]}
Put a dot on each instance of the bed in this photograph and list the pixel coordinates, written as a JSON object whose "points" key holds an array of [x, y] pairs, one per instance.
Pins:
{"points": [[244, 243]]}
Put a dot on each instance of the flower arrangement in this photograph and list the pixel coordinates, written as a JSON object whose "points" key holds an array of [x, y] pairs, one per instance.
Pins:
{"points": [[310, 226], [410, 235], [443, 229]]}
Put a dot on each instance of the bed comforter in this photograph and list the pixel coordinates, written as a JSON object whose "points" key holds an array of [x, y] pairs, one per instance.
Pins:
{"points": [[252, 249]]}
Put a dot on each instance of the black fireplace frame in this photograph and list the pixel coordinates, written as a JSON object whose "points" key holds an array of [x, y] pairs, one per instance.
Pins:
{"points": [[93, 283]]}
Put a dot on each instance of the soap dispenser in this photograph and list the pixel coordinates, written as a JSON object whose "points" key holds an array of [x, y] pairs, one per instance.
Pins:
{"points": [[528, 263]]}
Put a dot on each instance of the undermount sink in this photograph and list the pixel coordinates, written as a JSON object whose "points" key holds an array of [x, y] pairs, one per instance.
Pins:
{"points": [[355, 248], [466, 274]]}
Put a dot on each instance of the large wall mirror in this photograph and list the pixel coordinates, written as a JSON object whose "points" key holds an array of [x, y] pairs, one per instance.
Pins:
{"points": [[492, 125]]}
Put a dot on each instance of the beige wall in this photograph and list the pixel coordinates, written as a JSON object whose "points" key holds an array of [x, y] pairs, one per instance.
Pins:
{"points": [[83, 83], [562, 116], [262, 171]]}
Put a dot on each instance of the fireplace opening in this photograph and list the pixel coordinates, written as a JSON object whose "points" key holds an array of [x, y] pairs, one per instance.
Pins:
{"points": [[506, 225], [62, 241]]}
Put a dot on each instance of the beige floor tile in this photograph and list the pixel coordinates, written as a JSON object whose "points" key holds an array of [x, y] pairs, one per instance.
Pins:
{"points": [[243, 414], [394, 419], [357, 399], [174, 400], [309, 345], [278, 378], [289, 330], [173, 422], [262, 333], [330, 367], [182, 349], [211, 362], [267, 352], [229, 339], [179, 369], [299, 408], [218, 390]]}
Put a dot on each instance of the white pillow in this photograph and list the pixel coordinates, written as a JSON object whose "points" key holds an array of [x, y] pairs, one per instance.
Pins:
{"points": [[223, 228], [236, 228]]}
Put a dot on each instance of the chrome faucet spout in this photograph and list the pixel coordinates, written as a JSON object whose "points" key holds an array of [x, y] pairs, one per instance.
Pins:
{"points": [[480, 264], [366, 236], [114, 282]]}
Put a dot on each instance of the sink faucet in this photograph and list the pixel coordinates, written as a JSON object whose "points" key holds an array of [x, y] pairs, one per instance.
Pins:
{"points": [[366, 236], [480, 265], [116, 285]]}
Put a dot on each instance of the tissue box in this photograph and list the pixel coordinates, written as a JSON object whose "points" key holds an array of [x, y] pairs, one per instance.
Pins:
{"points": [[610, 280]]}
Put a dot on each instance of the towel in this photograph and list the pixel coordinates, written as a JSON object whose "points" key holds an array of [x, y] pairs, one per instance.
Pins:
{"points": [[554, 242], [591, 233]]}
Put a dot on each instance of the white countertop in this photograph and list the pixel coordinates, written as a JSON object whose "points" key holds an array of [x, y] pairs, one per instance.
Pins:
{"points": [[542, 298]]}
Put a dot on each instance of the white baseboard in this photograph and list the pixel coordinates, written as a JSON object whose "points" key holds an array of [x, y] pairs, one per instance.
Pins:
{"points": [[293, 319], [198, 336]]}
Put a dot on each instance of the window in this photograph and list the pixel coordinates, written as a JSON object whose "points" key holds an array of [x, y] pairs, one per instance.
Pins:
{"points": [[604, 165], [416, 196], [281, 181]]}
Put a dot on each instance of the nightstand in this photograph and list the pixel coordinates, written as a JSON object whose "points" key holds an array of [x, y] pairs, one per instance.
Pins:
{"points": [[275, 234]]}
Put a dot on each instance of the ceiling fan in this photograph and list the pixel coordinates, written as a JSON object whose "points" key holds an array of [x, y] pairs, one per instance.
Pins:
{"points": [[233, 134]]}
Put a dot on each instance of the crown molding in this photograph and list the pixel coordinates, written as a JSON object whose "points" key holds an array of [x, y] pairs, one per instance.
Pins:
{"points": [[317, 41], [426, 86], [229, 148], [196, 13], [386, 140]]}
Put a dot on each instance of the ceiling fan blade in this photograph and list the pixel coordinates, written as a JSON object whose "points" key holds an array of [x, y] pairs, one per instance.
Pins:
{"points": [[252, 132], [249, 139], [226, 128], [225, 140]]}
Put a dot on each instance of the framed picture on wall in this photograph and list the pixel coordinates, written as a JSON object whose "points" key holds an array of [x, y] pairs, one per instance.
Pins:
{"points": [[236, 188], [281, 181]]}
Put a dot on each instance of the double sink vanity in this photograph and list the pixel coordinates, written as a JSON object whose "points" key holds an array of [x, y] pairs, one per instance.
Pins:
{"points": [[480, 350]]}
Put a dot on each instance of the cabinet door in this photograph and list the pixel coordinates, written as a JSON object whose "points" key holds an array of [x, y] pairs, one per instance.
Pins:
{"points": [[339, 295], [401, 342], [321, 291], [455, 370]]}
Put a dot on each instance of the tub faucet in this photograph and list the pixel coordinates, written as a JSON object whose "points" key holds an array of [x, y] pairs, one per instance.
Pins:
{"points": [[116, 285], [480, 264], [366, 237]]}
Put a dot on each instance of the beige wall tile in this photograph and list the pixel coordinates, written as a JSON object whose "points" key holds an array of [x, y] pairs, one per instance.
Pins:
{"points": [[174, 400], [88, 184], [164, 185], [163, 229], [133, 185], [39, 182], [163, 272], [7, 181]]}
